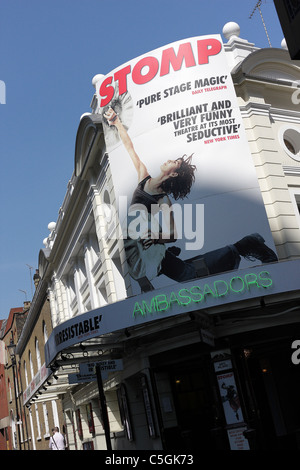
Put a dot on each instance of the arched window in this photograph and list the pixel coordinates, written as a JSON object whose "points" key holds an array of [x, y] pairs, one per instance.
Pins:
{"points": [[25, 372], [9, 390], [37, 421], [46, 422], [14, 429], [38, 356], [31, 365], [45, 333]]}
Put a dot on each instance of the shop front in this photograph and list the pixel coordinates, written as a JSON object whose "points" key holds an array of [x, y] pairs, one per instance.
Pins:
{"points": [[270, 384], [241, 397], [212, 374], [188, 405]]}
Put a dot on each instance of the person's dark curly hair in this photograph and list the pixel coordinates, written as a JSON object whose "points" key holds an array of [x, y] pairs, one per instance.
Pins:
{"points": [[180, 186]]}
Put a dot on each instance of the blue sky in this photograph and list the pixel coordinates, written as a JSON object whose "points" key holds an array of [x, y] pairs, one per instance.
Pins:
{"points": [[49, 52]]}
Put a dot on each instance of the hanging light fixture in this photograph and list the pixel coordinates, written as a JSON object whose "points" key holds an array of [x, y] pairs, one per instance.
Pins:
{"points": [[12, 351]]}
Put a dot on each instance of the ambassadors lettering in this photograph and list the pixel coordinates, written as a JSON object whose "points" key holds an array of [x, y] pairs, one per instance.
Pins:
{"points": [[80, 329], [147, 67], [198, 294]]}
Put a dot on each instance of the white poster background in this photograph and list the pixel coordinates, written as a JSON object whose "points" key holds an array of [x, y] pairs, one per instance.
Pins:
{"points": [[237, 439], [226, 182]]}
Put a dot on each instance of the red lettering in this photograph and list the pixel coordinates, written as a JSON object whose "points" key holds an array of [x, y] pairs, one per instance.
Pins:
{"points": [[107, 91], [168, 57], [206, 48], [150, 62], [121, 76]]}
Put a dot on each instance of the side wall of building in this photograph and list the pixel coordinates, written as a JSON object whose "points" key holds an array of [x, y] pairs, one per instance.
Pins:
{"points": [[41, 415]]}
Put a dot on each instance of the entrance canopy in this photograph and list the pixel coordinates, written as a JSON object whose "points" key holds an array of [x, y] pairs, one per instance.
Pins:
{"points": [[197, 295]]}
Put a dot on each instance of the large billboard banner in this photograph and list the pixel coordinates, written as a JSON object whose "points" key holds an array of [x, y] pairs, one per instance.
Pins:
{"points": [[187, 193]]}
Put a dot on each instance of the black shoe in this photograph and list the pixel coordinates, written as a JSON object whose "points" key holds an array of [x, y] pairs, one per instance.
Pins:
{"points": [[145, 284], [174, 250], [253, 247]]}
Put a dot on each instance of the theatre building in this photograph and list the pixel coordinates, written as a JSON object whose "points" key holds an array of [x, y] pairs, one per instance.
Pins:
{"points": [[41, 411], [172, 271], [12, 422]]}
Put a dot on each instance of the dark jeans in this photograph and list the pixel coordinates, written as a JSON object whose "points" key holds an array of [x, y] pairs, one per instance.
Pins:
{"points": [[213, 262]]}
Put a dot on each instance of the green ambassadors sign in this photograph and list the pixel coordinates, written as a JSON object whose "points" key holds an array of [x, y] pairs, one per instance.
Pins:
{"points": [[199, 293], [202, 293]]}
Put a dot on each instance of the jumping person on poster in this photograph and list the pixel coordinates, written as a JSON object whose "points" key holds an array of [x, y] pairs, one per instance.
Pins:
{"points": [[147, 256], [232, 398]]}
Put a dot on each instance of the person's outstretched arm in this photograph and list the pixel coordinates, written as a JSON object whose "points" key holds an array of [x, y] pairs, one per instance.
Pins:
{"points": [[114, 120]]}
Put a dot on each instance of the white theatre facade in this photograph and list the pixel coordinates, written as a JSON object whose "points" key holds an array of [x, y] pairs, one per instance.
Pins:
{"points": [[202, 363]]}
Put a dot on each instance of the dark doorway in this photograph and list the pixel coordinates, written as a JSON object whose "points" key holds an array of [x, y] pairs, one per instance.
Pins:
{"points": [[196, 408], [275, 384], [193, 406], [189, 408]]}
